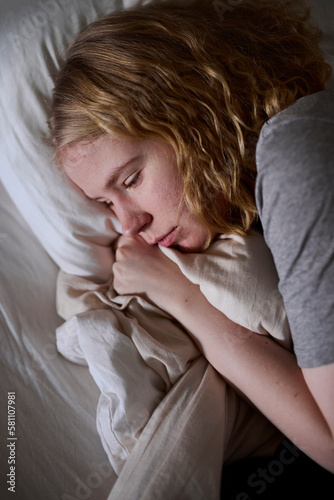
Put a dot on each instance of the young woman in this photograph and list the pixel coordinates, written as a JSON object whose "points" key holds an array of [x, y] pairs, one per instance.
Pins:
{"points": [[189, 124]]}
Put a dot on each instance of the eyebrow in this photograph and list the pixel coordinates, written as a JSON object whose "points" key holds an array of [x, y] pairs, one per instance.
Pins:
{"points": [[111, 181]]}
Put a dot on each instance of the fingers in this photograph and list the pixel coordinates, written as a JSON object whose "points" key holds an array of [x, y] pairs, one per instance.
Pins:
{"points": [[119, 242], [126, 250], [122, 242], [127, 241]]}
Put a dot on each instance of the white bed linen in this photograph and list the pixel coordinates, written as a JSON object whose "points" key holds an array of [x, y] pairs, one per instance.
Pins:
{"points": [[34, 35], [59, 453], [150, 372], [58, 450]]}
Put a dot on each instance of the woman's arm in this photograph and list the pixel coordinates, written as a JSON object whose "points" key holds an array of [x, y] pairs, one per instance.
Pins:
{"points": [[262, 370], [257, 366], [294, 191]]}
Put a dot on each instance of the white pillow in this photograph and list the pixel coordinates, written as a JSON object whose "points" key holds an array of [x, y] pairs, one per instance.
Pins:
{"points": [[34, 35]]}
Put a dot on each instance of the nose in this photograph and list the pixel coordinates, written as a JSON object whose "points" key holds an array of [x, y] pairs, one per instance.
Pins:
{"points": [[132, 219]]}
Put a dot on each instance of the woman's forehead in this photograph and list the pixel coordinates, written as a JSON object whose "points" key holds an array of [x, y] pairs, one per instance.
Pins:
{"points": [[79, 150], [90, 151]]}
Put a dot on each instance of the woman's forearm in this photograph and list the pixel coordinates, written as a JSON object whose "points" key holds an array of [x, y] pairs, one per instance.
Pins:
{"points": [[255, 365], [262, 370]]}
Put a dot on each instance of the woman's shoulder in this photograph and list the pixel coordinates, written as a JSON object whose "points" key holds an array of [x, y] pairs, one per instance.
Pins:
{"points": [[299, 135], [314, 107]]}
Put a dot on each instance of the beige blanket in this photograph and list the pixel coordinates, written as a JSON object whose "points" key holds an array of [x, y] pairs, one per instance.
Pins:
{"points": [[166, 419]]}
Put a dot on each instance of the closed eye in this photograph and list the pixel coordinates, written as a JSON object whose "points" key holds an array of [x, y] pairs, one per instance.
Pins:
{"points": [[133, 180]]}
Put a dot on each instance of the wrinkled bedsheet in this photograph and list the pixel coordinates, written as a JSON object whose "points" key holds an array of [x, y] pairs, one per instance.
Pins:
{"points": [[167, 420]]}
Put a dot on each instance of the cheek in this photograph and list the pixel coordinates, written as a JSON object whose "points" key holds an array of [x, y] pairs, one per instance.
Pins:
{"points": [[174, 195], [164, 196]]}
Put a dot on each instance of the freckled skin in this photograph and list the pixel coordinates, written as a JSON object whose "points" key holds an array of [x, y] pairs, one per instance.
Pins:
{"points": [[148, 196]]}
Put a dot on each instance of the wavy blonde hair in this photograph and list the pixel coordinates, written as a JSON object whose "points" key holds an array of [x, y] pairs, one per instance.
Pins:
{"points": [[202, 84]]}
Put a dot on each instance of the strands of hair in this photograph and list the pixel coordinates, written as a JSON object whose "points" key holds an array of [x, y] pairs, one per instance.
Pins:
{"points": [[205, 85]]}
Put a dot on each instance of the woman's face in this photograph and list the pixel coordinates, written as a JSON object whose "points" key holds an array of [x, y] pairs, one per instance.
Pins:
{"points": [[140, 181]]}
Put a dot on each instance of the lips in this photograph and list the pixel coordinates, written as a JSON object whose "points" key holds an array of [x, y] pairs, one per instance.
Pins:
{"points": [[168, 239]]}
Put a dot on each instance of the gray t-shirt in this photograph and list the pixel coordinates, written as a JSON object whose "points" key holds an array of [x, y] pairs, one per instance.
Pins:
{"points": [[295, 199]]}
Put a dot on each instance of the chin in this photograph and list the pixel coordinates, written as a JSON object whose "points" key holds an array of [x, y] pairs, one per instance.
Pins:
{"points": [[191, 248], [196, 243]]}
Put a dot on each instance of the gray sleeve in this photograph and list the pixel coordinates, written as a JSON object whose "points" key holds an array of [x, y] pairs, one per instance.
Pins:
{"points": [[295, 198]]}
